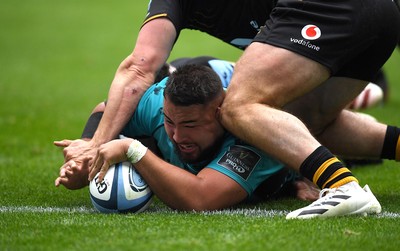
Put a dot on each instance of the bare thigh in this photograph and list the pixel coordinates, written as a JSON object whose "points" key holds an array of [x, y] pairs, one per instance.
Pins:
{"points": [[265, 79], [273, 76]]}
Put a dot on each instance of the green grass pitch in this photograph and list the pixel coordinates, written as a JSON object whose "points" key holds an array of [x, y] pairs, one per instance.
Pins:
{"points": [[57, 60]]}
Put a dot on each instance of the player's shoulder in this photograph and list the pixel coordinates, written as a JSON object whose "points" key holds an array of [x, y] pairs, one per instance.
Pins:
{"points": [[153, 98], [235, 147], [240, 149], [156, 88]]}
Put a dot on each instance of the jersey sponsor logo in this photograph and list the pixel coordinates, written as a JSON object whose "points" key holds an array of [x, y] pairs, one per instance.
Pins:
{"points": [[311, 32], [240, 160], [305, 43]]}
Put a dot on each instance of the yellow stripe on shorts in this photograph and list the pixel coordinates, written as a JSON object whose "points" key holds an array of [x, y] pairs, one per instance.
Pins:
{"points": [[154, 17]]}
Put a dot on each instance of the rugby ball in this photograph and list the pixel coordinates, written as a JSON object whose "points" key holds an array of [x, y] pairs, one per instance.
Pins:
{"points": [[122, 190]]}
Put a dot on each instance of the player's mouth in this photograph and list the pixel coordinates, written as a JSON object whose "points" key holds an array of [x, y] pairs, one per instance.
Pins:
{"points": [[187, 148]]}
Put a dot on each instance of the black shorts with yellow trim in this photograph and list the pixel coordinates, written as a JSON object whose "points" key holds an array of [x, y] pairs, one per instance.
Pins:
{"points": [[352, 38]]}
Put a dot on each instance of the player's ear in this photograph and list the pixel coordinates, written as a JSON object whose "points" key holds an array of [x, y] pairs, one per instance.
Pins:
{"points": [[218, 110], [218, 113]]}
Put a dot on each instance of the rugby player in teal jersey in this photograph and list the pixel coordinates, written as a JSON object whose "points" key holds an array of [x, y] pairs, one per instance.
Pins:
{"points": [[202, 166]]}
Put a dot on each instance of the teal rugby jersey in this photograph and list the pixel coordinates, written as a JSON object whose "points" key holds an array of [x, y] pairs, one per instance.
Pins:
{"points": [[245, 164]]}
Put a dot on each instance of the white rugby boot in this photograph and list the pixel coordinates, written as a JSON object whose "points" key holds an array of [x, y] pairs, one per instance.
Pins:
{"points": [[345, 200]]}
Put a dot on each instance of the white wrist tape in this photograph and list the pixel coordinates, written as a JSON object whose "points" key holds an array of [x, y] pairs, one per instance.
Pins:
{"points": [[136, 151]]}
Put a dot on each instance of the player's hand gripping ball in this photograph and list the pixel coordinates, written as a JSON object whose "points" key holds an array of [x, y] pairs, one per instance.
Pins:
{"points": [[122, 190]]}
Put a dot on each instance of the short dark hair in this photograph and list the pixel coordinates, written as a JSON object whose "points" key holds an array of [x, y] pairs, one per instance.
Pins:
{"points": [[193, 84]]}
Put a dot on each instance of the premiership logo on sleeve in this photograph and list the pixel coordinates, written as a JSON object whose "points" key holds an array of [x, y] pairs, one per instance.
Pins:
{"points": [[240, 160]]}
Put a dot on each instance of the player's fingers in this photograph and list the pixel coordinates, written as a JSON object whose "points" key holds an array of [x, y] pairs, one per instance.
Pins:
{"points": [[64, 182], [95, 162], [73, 166], [67, 166], [93, 173], [103, 171], [95, 167], [86, 162], [63, 168], [68, 172], [62, 143], [62, 172], [305, 191], [61, 181], [57, 182]]}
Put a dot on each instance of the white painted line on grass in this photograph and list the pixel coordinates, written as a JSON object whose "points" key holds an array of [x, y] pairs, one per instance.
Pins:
{"points": [[254, 212], [154, 209], [33, 209], [272, 213]]}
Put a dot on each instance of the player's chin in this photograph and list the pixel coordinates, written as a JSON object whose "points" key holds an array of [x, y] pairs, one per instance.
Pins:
{"points": [[189, 157]]}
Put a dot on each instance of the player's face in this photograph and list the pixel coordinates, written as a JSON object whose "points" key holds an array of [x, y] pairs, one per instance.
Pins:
{"points": [[194, 130]]}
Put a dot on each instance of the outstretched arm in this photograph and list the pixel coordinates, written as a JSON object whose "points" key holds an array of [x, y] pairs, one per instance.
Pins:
{"points": [[176, 187], [134, 75]]}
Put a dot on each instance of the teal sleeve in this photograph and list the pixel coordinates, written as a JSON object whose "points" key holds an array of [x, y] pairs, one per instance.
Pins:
{"points": [[148, 116], [246, 165]]}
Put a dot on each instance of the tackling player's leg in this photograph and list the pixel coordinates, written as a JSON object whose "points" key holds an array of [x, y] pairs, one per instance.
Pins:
{"points": [[340, 194], [321, 166]]}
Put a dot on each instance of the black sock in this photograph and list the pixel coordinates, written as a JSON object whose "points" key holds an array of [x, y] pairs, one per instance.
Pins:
{"points": [[391, 145], [325, 170]]}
